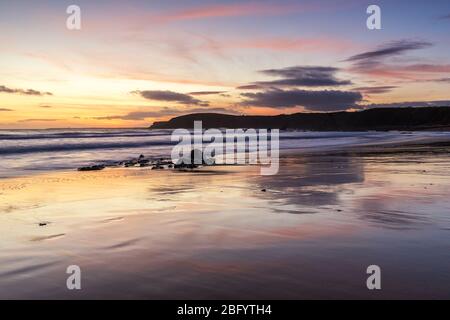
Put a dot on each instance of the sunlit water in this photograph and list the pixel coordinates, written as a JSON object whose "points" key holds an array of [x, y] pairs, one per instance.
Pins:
{"points": [[140, 233]]}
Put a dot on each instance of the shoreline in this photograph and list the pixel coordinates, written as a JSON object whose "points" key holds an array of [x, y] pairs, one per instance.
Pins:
{"points": [[428, 145]]}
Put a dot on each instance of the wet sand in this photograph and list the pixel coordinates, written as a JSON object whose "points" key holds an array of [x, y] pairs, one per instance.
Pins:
{"points": [[215, 234]]}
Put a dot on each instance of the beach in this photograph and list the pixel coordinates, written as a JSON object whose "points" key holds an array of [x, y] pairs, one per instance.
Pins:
{"points": [[226, 232], [193, 152]]}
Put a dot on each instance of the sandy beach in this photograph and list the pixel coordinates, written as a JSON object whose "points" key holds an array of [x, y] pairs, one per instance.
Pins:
{"points": [[224, 150], [227, 232]]}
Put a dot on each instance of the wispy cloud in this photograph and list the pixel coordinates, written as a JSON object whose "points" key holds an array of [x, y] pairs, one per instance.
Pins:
{"points": [[31, 92], [425, 68], [375, 89], [412, 72], [38, 120], [205, 93], [164, 112], [441, 80], [5, 109], [251, 87], [234, 10], [391, 49], [140, 115], [300, 44], [385, 62]]}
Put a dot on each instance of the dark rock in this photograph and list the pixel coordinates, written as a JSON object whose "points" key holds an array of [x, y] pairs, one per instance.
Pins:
{"points": [[185, 166], [143, 162], [263, 190], [165, 162], [131, 163], [92, 168]]}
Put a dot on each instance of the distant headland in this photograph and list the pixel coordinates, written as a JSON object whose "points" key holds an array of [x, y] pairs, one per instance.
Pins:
{"points": [[380, 119]]}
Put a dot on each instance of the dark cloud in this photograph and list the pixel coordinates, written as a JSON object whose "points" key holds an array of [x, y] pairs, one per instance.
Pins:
{"points": [[205, 93], [250, 87], [323, 100], [391, 49], [303, 76], [45, 107], [375, 90], [445, 17], [161, 95], [5, 109], [385, 60], [29, 92], [142, 115]]}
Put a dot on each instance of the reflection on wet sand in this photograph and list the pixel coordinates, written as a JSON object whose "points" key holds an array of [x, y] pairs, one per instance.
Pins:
{"points": [[312, 181], [227, 232]]}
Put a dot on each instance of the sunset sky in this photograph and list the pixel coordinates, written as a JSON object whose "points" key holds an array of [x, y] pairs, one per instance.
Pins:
{"points": [[135, 62]]}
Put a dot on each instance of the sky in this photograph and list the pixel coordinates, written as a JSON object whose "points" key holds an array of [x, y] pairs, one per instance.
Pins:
{"points": [[136, 62]]}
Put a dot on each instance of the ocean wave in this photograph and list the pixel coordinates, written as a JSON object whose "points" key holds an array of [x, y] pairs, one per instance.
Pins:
{"points": [[80, 146], [23, 151], [78, 135]]}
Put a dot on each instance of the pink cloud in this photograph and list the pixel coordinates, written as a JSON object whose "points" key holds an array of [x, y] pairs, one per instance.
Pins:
{"points": [[234, 10], [292, 44], [405, 72], [277, 43], [428, 68]]}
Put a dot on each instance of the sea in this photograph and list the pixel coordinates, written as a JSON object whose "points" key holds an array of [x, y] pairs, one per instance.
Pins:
{"points": [[24, 152]]}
